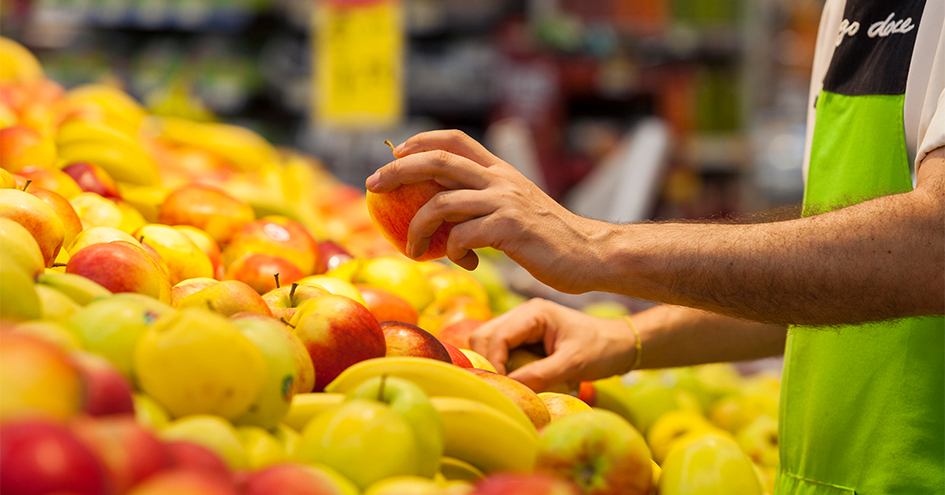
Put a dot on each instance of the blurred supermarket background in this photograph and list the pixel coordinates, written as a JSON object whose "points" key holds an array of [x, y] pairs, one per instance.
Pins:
{"points": [[620, 109]]}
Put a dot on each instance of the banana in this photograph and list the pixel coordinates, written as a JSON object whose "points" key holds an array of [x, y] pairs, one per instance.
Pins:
{"points": [[17, 63], [75, 130], [108, 102], [484, 437], [124, 161], [436, 378], [452, 468], [80, 289], [304, 407], [242, 147]]}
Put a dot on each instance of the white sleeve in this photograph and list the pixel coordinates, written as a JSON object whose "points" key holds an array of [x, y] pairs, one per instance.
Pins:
{"points": [[931, 133]]}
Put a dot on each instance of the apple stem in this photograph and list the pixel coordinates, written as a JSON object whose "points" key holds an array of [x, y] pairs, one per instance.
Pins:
{"points": [[286, 322], [292, 290], [58, 265], [28, 182], [389, 144], [380, 389], [276, 275], [210, 305]]}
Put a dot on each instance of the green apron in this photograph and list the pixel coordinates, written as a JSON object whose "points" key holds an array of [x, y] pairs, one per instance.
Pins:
{"points": [[862, 406]]}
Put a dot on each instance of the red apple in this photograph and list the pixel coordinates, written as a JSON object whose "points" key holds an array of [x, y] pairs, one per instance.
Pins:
{"points": [[293, 478], [227, 298], [55, 180], [207, 208], [285, 301], [458, 333], [387, 306], [275, 236], [22, 147], [404, 339], [587, 393], [599, 450], [37, 217], [121, 266], [524, 484], [129, 452], [71, 223], [185, 482], [107, 391], [188, 455], [451, 309], [332, 256], [338, 332], [40, 456], [188, 287], [259, 271], [393, 211], [525, 398], [37, 379], [457, 356], [92, 178]]}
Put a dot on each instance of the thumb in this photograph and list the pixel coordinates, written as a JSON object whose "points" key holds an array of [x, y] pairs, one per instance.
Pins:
{"points": [[544, 373]]}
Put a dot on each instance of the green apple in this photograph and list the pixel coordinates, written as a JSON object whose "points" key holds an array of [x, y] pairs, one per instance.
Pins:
{"points": [[20, 248], [268, 335], [194, 361], [412, 405], [149, 413], [285, 301], [759, 439], [112, 326], [400, 276], [288, 437], [20, 300], [212, 432], [362, 439], [80, 289], [712, 464], [602, 452], [262, 448]]}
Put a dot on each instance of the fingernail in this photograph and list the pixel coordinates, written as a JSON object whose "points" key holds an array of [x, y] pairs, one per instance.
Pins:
{"points": [[400, 147], [372, 181]]}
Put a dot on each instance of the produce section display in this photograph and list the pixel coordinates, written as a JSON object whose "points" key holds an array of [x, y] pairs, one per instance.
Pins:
{"points": [[185, 308]]}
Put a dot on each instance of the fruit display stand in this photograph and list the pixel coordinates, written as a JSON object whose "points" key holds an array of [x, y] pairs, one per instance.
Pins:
{"points": [[185, 308]]}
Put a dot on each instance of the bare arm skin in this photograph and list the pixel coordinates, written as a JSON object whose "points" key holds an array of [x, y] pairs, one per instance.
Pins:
{"points": [[880, 259], [583, 347]]}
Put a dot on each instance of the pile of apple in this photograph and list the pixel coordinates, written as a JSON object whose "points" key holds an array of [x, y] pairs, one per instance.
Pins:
{"points": [[186, 309]]}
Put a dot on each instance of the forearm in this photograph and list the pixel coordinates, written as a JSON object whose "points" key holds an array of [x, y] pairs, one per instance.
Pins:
{"points": [[678, 336], [876, 260]]}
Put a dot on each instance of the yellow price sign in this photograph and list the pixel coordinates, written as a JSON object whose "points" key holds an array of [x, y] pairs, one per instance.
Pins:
{"points": [[358, 62]]}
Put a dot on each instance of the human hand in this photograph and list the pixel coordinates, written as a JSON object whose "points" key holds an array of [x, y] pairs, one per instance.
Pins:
{"points": [[494, 205], [580, 347]]}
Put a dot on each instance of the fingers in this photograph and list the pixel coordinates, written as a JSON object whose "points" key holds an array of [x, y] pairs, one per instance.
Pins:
{"points": [[523, 325], [544, 373], [450, 170], [452, 141], [454, 206]]}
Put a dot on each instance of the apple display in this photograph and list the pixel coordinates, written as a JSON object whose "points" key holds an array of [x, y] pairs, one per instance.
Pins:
{"points": [[275, 236], [447, 281], [444, 312], [107, 391], [712, 464], [71, 222], [393, 211], [398, 275], [42, 456], [456, 356], [598, 450], [185, 482], [525, 484], [93, 179], [337, 331], [188, 287], [259, 271], [192, 456], [523, 397], [52, 179], [387, 306], [334, 285], [207, 208], [98, 235], [262, 447], [37, 217], [96, 211], [404, 339], [211, 432], [559, 404], [206, 244], [675, 426], [477, 360], [333, 255], [20, 249]]}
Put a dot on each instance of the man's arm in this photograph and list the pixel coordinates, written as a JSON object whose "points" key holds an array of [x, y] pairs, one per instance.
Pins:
{"points": [[583, 347], [880, 259]]}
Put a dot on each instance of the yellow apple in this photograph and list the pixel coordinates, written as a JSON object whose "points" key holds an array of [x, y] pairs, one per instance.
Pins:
{"points": [[398, 275], [184, 259]]}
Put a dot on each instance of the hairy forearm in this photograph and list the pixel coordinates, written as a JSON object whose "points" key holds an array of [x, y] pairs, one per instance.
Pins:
{"points": [[880, 259], [678, 336]]}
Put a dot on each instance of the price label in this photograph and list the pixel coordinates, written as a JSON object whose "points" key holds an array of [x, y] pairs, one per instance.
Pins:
{"points": [[358, 63]]}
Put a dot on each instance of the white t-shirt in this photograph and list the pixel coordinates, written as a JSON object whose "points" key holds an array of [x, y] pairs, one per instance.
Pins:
{"points": [[924, 107]]}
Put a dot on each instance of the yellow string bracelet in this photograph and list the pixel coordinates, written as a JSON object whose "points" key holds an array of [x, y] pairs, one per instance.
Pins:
{"points": [[639, 344]]}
